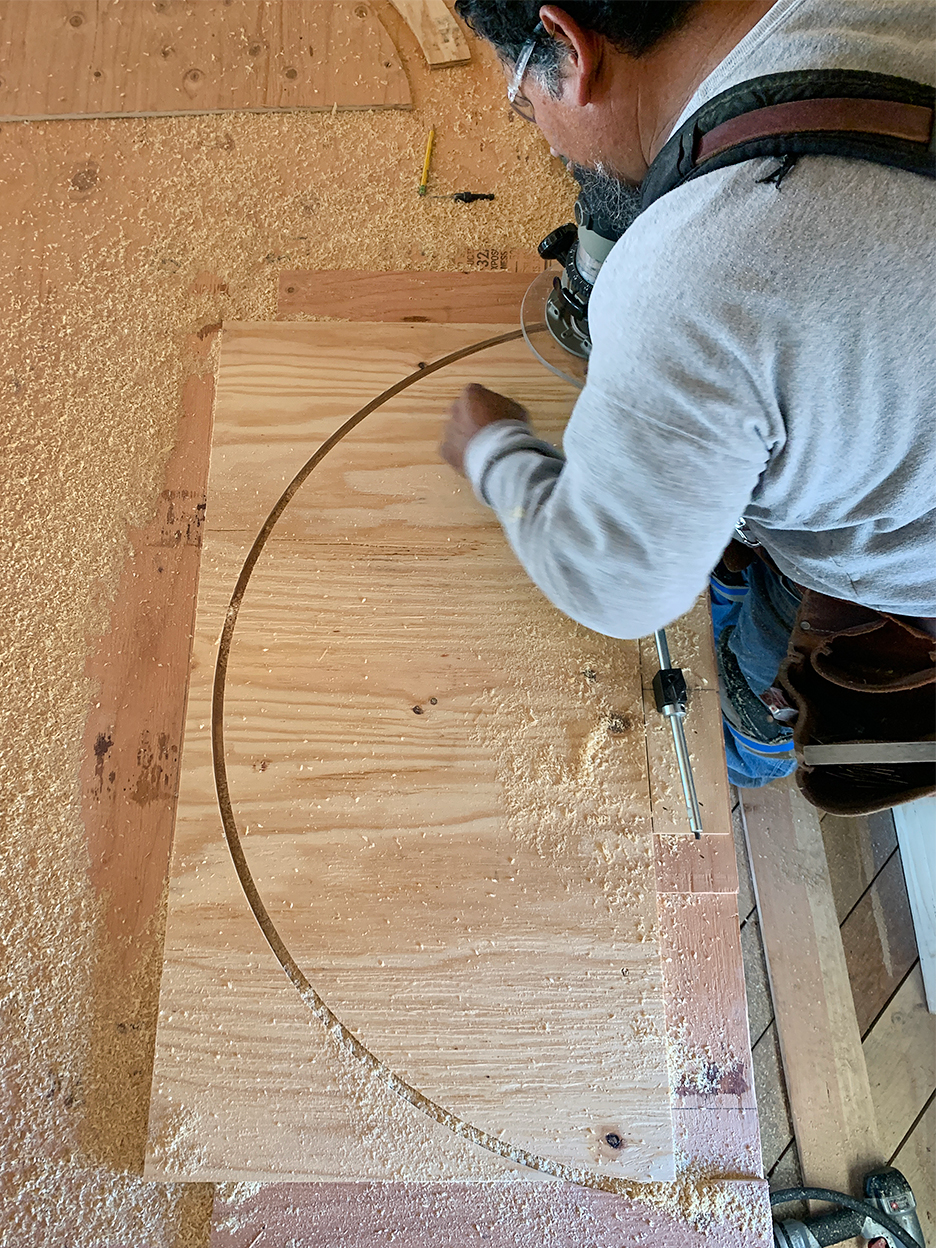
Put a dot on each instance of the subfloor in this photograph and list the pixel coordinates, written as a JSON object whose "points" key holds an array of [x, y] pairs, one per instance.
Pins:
{"points": [[898, 1035]]}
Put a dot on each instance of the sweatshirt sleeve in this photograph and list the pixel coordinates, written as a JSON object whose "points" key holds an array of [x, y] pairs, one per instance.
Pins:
{"points": [[660, 457]]}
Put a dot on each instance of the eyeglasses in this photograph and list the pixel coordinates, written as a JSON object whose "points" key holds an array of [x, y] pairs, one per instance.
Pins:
{"points": [[518, 102]]}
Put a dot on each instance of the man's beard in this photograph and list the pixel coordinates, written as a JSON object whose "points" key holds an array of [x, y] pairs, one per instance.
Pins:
{"points": [[614, 202]]}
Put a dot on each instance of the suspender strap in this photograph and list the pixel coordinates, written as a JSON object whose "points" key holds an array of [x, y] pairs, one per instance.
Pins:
{"points": [[910, 122], [834, 112]]}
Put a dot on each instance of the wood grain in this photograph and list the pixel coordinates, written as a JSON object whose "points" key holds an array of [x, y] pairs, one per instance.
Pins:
{"points": [[826, 1075], [448, 823], [134, 732], [481, 298], [108, 58], [436, 30]]}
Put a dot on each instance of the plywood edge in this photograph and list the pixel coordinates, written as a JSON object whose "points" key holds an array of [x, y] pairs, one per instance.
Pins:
{"points": [[503, 1215]]}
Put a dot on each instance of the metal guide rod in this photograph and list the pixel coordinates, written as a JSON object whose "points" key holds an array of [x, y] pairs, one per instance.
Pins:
{"points": [[672, 699]]}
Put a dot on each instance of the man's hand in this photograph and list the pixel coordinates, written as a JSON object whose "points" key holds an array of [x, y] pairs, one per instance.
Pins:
{"points": [[474, 408]]}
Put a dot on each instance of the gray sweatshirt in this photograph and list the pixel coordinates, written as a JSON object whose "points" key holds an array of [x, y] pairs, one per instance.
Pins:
{"points": [[757, 351]]}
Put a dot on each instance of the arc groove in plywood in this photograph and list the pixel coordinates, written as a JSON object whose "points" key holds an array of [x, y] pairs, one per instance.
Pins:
{"points": [[336, 1029], [286, 362]]}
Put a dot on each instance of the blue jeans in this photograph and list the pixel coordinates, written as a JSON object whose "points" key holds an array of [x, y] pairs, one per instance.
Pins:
{"points": [[761, 613]]}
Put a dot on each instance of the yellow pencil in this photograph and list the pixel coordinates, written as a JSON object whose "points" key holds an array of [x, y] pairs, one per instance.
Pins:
{"points": [[425, 173]]}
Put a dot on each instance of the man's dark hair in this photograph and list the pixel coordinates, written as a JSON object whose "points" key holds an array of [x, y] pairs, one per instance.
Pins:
{"points": [[635, 26]]}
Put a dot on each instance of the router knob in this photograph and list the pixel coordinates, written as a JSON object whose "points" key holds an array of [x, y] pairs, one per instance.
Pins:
{"points": [[556, 245]]}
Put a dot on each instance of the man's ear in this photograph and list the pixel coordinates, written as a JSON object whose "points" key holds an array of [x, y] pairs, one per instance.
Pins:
{"points": [[584, 49]]}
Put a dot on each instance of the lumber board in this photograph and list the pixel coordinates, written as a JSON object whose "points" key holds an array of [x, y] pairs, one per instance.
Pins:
{"points": [[827, 1079], [452, 828], [878, 940], [901, 1055], [915, 824], [109, 58], [710, 1049], [480, 298], [437, 32], [132, 743], [502, 1216]]}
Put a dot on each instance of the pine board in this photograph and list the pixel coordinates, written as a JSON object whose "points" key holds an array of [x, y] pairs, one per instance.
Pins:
{"points": [[485, 298], [136, 58], [436, 30], [464, 884]]}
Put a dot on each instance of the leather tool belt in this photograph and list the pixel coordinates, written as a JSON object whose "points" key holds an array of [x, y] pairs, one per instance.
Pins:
{"points": [[864, 685]]}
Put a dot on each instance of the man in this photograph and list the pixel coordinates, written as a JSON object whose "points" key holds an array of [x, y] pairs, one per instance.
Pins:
{"points": [[763, 347]]}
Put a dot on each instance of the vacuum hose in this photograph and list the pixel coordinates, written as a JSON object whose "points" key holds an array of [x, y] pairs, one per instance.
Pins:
{"points": [[882, 1219]]}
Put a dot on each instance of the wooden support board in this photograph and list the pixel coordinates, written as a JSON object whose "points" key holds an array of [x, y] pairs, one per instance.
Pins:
{"points": [[826, 1073], [446, 813], [479, 298], [113, 58]]}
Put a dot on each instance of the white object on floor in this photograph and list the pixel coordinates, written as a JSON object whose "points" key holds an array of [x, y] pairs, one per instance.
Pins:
{"points": [[916, 835]]}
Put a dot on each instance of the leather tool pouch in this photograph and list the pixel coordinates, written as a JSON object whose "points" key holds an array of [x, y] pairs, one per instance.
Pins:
{"points": [[865, 683]]}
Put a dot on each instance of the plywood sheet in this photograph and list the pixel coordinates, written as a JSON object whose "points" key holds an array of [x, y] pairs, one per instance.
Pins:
{"points": [[448, 821], [111, 58]]}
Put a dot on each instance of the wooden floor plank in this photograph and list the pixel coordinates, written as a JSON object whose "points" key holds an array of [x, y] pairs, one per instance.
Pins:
{"points": [[879, 944], [856, 849], [773, 1111], [68, 60], [901, 1058], [916, 1161], [756, 980]]}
